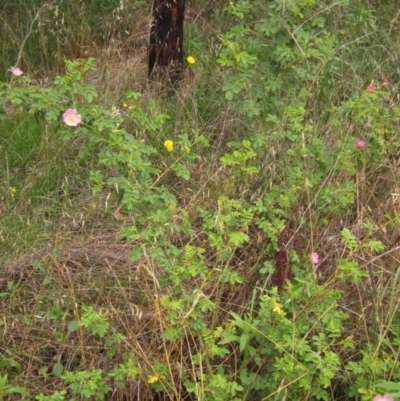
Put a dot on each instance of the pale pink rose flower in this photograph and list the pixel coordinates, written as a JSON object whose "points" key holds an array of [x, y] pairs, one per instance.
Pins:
{"points": [[314, 258], [72, 118], [385, 397], [361, 143], [16, 71]]}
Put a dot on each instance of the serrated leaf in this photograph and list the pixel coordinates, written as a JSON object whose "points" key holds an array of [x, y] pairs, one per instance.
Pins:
{"points": [[238, 238], [376, 245], [181, 171], [136, 253]]}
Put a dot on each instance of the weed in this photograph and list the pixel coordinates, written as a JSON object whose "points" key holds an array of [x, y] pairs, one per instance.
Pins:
{"points": [[239, 242]]}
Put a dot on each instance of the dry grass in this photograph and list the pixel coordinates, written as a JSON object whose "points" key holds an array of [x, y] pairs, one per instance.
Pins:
{"points": [[87, 263], [82, 259]]}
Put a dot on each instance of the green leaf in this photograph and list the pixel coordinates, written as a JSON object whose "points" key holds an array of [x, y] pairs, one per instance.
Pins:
{"points": [[96, 179], [3, 382], [11, 363], [239, 322], [244, 338], [228, 338], [392, 387], [181, 171], [375, 246], [245, 59], [136, 253], [59, 336], [349, 239], [267, 267], [58, 369], [235, 278], [238, 238], [216, 241], [19, 390], [73, 326]]}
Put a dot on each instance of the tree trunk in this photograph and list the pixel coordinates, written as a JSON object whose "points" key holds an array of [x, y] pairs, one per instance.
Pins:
{"points": [[166, 40]]}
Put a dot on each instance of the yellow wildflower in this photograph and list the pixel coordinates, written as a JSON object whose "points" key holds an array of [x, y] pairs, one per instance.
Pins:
{"points": [[277, 308], [169, 145], [152, 379], [187, 149], [191, 60], [13, 191], [124, 105]]}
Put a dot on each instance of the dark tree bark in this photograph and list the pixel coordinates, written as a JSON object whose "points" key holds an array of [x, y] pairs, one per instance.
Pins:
{"points": [[166, 40]]}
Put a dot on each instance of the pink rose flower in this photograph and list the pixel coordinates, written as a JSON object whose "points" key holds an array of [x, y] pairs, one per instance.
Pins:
{"points": [[361, 143], [371, 88], [385, 397], [314, 258], [16, 71], [72, 118]]}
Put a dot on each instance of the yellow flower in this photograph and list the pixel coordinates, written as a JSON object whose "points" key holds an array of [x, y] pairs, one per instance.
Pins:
{"points": [[277, 308], [187, 149], [169, 145], [152, 379], [124, 105], [191, 60], [13, 191]]}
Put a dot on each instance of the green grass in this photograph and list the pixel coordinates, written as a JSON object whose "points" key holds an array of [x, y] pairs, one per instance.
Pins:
{"points": [[40, 35], [40, 178], [20, 139]]}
